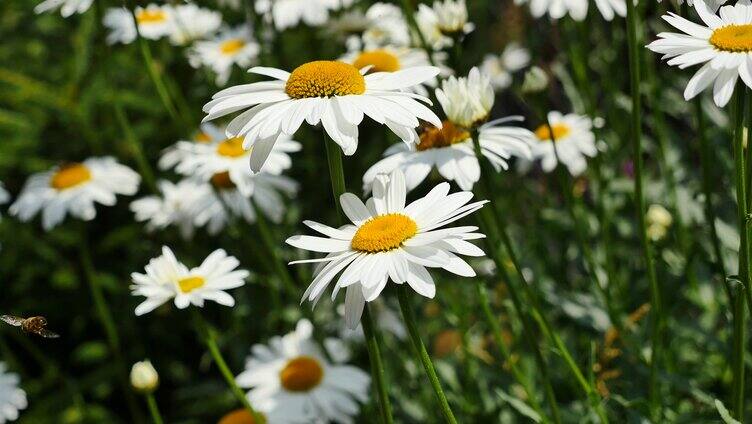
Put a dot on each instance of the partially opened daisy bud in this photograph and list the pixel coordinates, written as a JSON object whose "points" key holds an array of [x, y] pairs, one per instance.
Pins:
{"points": [[723, 45], [535, 81], [144, 377], [74, 188], [166, 278], [291, 380], [451, 16], [467, 101], [389, 240], [335, 94], [574, 140]]}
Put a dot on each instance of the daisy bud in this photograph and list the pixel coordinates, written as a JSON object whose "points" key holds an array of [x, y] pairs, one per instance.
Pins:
{"points": [[658, 220], [452, 16], [144, 377], [535, 80], [467, 101]]}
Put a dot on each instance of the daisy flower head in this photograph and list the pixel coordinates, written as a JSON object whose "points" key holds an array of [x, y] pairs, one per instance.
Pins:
{"points": [[193, 23], [428, 25], [451, 17], [450, 150], [233, 46], [387, 27], [723, 44], [208, 133], [67, 7], [500, 68], [12, 397], [467, 101], [74, 188], [179, 204], [388, 239], [206, 161], [573, 138], [167, 278], [292, 378], [154, 22], [335, 94]]}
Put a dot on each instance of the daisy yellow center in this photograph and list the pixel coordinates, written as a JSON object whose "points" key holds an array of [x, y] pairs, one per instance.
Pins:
{"points": [[324, 79], [384, 233], [559, 131], [242, 416], [69, 176], [231, 46], [380, 60], [448, 134], [733, 38], [301, 374], [151, 16], [203, 137], [222, 180], [231, 148], [189, 284]]}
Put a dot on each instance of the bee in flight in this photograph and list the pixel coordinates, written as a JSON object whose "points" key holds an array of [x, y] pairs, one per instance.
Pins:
{"points": [[33, 325]]}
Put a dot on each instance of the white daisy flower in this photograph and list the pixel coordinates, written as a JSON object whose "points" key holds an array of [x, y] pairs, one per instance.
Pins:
{"points": [[428, 25], [450, 150], [292, 378], [179, 204], [388, 27], [451, 17], [467, 101], [193, 23], [205, 161], [289, 13], [166, 278], [501, 67], [74, 188], [723, 45], [4, 195], [333, 93], [12, 397], [234, 46], [574, 142], [208, 134], [576, 9], [388, 240], [226, 199], [154, 22], [67, 7]]}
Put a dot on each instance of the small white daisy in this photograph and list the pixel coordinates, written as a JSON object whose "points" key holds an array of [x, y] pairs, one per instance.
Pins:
{"points": [[333, 93], [388, 240], [292, 378], [193, 23], [387, 27], [12, 397], [450, 150], [289, 13], [166, 278], [467, 101], [67, 7], [179, 204], [451, 17], [154, 22], [723, 46], [501, 67], [208, 134], [428, 25], [574, 142], [203, 161], [233, 46], [74, 188]]}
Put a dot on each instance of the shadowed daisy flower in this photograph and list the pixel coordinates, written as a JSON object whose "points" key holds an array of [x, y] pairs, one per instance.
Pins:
{"points": [[723, 46], [12, 397], [154, 22], [292, 379], [336, 94], [208, 134], [574, 142], [74, 188], [204, 161], [388, 240], [67, 7], [500, 68], [193, 23], [166, 278], [179, 205], [231, 47]]}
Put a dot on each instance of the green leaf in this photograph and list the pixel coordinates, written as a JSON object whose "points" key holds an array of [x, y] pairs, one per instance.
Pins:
{"points": [[520, 406], [725, 415]]}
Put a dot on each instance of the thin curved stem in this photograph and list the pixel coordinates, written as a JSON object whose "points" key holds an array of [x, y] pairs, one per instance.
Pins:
{"points": [[154, 409], [407, 314]]}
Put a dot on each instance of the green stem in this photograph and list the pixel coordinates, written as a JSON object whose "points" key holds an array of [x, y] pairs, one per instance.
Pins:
{"points": [[209, 338], [154, 409], [407, 314], [337, 175], [647, 249], [744, 251], [136, 149]]}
